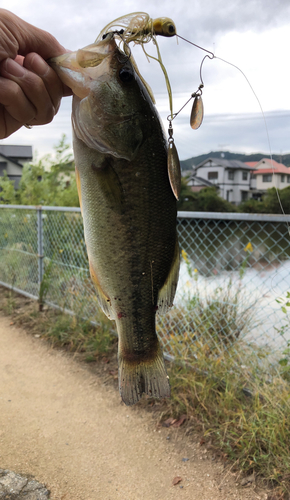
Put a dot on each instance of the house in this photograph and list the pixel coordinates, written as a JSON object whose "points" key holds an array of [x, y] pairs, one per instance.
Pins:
{"points": [[233, 178], [12, 159], [196, 183], [270, 173]]}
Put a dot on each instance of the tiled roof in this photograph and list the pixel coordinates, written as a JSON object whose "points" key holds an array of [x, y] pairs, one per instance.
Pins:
{"points": [[252, 163], [281, 169], [221, 162], [267, 163], [201, 181], [16, 151]]}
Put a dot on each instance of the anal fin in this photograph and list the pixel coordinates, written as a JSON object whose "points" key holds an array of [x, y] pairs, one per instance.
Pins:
{"points": [[167, 292]]}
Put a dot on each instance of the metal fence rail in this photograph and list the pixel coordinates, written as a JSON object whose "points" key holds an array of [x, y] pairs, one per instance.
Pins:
{"points": [[233, 268]]}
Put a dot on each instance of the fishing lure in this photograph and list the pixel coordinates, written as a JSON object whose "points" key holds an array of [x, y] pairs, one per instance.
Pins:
{"points": [[139, 28]]}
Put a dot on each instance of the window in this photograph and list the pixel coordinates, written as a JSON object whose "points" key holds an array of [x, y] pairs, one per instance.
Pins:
{"points": [[245, 176], [212, 176], [244, 195], [231, 175], [267, 178], [288, 179], [282, 178]]}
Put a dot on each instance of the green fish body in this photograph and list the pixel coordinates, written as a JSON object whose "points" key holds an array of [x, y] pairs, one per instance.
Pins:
{"points": [[128, 207]]}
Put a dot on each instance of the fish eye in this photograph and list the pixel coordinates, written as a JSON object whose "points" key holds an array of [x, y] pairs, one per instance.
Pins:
{"points": [[126, 75]]}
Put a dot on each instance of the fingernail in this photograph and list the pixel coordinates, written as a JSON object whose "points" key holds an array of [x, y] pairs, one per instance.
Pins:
{"points": [[39, 65], [13, 68]]}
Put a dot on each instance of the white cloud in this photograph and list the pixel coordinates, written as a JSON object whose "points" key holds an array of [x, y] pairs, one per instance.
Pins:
{"points": [[252, 34]]}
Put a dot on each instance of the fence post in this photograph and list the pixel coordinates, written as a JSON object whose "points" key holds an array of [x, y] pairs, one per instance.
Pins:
{"points": [[40, 244]]}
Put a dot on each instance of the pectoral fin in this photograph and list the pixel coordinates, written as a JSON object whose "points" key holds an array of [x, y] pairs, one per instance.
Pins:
{"points": [[110, 185], [167, 292]]}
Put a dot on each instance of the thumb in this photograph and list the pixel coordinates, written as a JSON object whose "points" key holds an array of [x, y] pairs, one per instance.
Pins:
{"points": [[17, 37]]}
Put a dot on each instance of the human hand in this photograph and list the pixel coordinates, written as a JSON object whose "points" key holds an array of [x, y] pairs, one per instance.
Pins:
{"points": [[30, 90]]}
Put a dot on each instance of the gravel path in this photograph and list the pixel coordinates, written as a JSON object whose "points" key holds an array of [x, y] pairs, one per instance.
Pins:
{"points": [[61, 425]]}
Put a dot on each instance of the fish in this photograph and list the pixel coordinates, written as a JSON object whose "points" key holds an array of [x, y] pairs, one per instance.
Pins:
{"points": [[127, 204]]}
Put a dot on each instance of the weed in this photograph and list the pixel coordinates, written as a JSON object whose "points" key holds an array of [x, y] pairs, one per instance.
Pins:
{"points": [[207, 322], [284, 362], [9, 303], [77, 334], [237, 410], [45, 284]]}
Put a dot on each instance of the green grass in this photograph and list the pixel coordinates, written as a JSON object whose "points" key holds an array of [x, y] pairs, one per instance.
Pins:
{"points": [[73, 333], [79, 335], [241, 409]]}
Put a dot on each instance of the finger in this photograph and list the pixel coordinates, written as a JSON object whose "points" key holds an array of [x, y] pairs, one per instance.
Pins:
{"points": [[20, 37], [54, 86], [15, 108], [34, 89]]}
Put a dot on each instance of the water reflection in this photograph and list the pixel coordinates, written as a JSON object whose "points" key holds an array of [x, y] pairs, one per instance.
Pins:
{"points": [[218, 251]]}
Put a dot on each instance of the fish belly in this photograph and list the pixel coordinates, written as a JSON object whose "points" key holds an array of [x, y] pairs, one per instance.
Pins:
{"points": [[129, 214]]}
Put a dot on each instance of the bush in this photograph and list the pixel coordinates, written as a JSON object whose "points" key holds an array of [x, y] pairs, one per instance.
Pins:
{"points": [[206, 200], [48, 181]]}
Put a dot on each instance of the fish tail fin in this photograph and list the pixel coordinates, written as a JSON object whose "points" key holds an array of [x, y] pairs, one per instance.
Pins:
{"points": [[147, 376]]}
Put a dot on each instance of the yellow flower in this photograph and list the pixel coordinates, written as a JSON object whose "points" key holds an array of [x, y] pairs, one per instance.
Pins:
{"points": [[195, 270], [60, 250], [184, 255], [5, 235], [25, 220], [249, 247]]}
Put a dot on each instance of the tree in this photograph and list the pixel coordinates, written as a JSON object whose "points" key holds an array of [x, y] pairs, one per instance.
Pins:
{"points": [[7, 191], [206, 200], [50, 180], [186, 196], [270, 203], [252, 206]]}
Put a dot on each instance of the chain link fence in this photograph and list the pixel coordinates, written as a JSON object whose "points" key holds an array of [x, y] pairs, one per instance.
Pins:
{"points": [[234, 267]]}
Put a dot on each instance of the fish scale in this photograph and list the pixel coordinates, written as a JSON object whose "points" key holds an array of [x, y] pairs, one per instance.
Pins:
{"points": [[128, 208]]}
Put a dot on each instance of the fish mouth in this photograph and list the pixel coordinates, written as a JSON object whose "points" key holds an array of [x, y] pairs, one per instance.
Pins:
{"points": [[79, 69]]}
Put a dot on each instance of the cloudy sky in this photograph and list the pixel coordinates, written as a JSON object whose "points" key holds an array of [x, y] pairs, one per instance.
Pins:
{"points": [[251, 34]]}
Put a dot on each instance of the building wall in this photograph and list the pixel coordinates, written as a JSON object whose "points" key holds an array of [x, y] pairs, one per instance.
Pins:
{"points": [[10, 167], [276, 181], [230, 189]]}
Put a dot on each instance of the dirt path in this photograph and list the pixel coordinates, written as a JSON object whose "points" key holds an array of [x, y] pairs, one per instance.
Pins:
{"points": [[60, 423]]}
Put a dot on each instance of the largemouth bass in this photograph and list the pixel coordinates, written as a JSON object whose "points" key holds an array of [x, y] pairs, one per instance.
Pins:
{"points": [[128, 207]]}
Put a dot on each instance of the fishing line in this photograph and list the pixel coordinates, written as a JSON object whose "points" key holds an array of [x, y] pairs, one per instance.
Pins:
{"points": [[212, 56]]}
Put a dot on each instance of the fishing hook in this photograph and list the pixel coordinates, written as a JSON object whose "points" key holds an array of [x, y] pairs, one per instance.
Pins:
{"points": [[120, 33]]}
